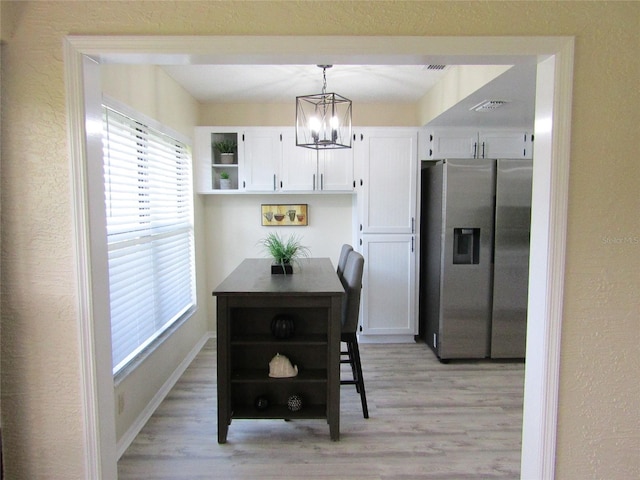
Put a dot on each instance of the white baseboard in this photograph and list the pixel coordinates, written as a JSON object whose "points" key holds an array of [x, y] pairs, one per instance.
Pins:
{"points": [[386, 338], [155, 402]]}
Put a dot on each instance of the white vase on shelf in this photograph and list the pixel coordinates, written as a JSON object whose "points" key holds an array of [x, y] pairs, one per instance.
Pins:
{"points": [[227, 158]]}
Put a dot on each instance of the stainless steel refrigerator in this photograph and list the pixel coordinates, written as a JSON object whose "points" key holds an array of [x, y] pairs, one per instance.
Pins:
{"points": [[474, 257]]}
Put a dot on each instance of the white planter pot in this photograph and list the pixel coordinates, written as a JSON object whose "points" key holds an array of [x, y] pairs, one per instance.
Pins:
{"points": [[227, 158], [225, 184]]}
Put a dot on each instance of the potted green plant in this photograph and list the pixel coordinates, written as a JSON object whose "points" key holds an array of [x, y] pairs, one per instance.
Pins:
{"points": [[225, 181], [284, 252], [227, 149]]}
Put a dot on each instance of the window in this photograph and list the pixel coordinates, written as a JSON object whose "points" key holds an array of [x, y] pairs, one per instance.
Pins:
{"points": [[149, 211]]}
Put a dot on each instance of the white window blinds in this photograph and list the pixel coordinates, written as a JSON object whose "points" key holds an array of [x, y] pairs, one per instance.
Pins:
{"points": [[149, 215]]}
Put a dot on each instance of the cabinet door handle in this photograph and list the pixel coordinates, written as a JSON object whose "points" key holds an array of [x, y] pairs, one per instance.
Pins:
{"points": [[322, 181], [413, 225], [274, 182], [314, 181], [475, 149], [482, 149]]}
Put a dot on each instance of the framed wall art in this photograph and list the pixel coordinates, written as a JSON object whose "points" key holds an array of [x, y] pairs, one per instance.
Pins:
{"points": [[284, 215]]}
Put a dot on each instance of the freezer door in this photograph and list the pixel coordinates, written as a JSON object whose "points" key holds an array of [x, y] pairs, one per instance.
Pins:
{"points": [[467, 238], [511, 258]]}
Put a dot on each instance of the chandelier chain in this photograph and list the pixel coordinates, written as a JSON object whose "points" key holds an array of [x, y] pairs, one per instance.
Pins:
{"points": [[324, 80]]}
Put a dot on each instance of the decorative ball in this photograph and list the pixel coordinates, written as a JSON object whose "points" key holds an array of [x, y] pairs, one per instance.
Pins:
{"points": [[262, 403], [282, 326], [294, 403]]}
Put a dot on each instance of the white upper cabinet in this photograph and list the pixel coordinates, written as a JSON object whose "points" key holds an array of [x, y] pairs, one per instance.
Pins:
{"points": [[472, 143], [388, 169], [304, 169], [268, 160], [335, 169], [452, 143], [299, 165], [262, 153], [505, 144]]}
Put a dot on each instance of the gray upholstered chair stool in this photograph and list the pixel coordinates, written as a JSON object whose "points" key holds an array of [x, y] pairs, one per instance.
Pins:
{"points": [[342, 261], [352, 282]]}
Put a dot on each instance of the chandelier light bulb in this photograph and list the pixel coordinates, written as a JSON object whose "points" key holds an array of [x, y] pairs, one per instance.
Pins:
{"points": [[314, 124]]}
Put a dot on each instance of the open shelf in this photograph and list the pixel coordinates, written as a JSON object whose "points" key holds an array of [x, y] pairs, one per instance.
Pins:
{"points": [[279, 411], [262, 376], [266, 339]]}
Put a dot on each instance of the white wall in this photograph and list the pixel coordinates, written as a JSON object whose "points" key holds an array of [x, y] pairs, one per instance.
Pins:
{"points": [[233, 228], [275, 115]]}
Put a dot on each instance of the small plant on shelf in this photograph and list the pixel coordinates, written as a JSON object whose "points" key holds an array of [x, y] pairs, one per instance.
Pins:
{"points": [[226, 146], [227, 149], [284, 252], [225, 181]]}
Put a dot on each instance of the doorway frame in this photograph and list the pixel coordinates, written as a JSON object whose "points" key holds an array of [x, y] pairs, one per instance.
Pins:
{"points": [[554, 56]]}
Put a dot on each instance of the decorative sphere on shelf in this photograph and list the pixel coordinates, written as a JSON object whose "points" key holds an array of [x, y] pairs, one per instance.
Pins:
{"points": [[294, 403], [261, 403], [282, 326]]}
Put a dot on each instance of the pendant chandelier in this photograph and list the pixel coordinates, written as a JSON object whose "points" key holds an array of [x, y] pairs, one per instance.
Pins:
{"points": [[323, 120]]}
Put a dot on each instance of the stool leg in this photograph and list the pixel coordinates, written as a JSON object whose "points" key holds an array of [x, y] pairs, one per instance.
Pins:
{"points": [[359, 379], [352, 361]]}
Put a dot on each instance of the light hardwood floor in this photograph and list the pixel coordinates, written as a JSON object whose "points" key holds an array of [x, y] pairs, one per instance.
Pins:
{"points": [[428, 420]]}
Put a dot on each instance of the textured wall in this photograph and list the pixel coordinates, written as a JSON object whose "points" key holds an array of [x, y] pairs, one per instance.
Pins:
{"points": [[41, 404]]}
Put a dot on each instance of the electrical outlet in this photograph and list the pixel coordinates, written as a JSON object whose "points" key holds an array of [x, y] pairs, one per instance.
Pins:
{"points": [[120, 403]]}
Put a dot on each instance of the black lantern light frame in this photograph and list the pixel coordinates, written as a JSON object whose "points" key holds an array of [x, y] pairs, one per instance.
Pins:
{"points": [[323, 120]]}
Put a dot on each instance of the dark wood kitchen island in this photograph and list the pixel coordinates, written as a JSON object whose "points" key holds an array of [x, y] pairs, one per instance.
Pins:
{"points": [[247, 302]]}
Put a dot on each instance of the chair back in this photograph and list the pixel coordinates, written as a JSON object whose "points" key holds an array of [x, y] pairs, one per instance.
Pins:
{"points": [[342, 261], [352, 283]]}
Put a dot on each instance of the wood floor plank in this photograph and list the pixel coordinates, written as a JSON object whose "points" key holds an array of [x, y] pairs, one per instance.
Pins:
{"points": [[428, 420]]}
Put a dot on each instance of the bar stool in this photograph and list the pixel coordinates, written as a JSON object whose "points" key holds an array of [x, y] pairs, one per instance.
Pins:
{"points": [[352, 283]]}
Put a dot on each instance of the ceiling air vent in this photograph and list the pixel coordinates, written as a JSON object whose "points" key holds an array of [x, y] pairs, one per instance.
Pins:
{"points": [[488, 105], [436, 67]]}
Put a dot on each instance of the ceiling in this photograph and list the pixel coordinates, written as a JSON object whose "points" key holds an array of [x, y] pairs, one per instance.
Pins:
{"points": [[361, 84]]}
